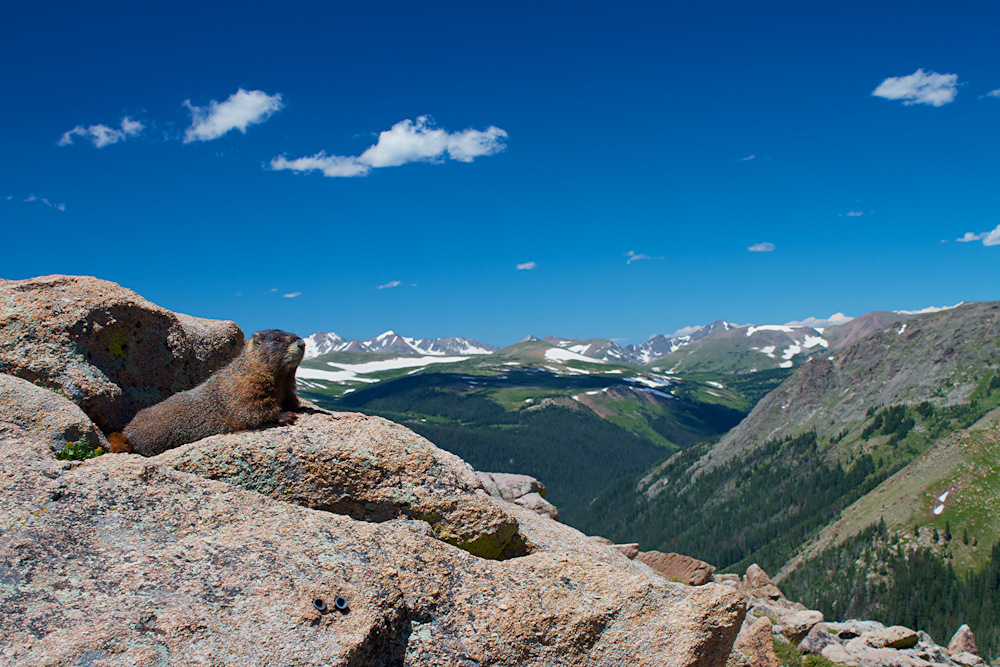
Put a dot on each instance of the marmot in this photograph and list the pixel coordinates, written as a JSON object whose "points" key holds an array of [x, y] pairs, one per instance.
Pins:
{"points": [[255, 389]]}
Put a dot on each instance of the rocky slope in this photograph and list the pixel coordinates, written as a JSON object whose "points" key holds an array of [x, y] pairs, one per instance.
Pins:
{"points": [[340, 540], [881, 428], [939, 357]]}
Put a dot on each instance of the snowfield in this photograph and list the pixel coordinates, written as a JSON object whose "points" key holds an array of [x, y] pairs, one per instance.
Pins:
{"points": [[561, 355], [350, 372], [769, 327]]}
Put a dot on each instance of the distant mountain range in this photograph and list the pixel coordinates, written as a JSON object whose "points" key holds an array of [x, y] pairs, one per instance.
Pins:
{"points": [[390, 342], [717, 347]]}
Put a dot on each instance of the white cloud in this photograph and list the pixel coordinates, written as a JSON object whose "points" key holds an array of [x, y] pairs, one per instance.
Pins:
{"points": [[42, 200], [390, 284], [970, 237], [406, 141], [527, 266], [988, 238], [855, 214], [920, 88], [240, 111], [993, 93], [330, 165], [993, 238], [748, 158], [292, 295], [761, 247], [634, 256], [102, 135]]}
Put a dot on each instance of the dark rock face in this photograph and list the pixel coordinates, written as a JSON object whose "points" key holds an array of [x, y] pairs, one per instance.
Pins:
{"points": [[105, 347]]}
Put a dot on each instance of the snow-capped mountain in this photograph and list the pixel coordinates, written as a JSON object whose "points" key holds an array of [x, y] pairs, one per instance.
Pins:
{"points": [[717, 347], [392, 343]]}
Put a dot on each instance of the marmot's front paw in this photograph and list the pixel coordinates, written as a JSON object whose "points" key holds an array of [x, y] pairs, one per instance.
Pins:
{"points": [[287, 418]]}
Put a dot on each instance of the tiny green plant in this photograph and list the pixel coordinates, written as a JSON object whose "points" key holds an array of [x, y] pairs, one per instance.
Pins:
{"points": [[79, 451]]}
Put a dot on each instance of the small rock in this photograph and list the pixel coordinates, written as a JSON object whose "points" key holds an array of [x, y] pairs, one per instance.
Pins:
{"points": [[676, 567], [727, 579], [509, 486], [852, 628], [539, 505], [756, 644], [755, 577], [838, 654], [630, 551], [967, 659], [770, 592], [817, 639], [894, 637], [798, 625], [963, 642]]}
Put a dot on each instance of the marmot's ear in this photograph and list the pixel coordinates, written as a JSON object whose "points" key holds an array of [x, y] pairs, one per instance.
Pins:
{"points": [[251, 342]]}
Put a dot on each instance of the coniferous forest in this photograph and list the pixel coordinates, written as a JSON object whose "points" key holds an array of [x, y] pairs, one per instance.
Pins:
{"points": [[913, 587]]}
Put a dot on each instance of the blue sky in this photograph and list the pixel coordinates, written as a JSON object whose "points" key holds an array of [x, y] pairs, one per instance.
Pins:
{"points": [[498, 169]]}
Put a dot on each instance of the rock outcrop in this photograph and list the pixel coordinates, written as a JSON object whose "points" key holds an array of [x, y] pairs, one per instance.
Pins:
{"points": [[49, 417], [963, 642], [105, 347], [522, 490], [367, 468], [676, 567], [856, 643], [321, 543]]}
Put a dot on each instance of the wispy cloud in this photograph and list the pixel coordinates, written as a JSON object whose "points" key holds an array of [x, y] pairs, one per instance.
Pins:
{"points": [[41, 200], [988, 238], [634, 256], [291, 295], [993, 93], [527, 266], [330, 165], [242, 109], [920, 88], [748, 158], [970, 237], [854, 214], [407, 141], [761, 247], [102, 135], [390, 284]]}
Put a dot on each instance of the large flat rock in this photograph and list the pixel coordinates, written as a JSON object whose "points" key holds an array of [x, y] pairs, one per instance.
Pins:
{"points": [[122, 560], [368, 468]]}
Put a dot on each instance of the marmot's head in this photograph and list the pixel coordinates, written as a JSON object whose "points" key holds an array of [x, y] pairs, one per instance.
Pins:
{"points": [[279, 350]]}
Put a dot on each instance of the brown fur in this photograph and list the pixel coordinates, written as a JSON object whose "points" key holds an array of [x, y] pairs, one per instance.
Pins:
{"points": [[255, 389]]}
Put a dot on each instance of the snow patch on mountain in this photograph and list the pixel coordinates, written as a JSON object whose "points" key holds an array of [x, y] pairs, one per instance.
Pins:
{"points": [[929, 309], [352, 372], [769, 327], [563, 355], [392, 343]]}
